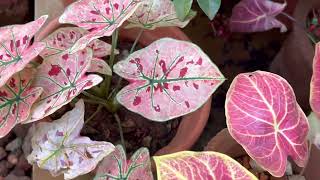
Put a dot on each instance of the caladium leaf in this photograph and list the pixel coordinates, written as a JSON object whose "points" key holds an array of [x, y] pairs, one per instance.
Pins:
{"points": [[182, 8], [16, 99], [62, 78], [315, 83], [256, 15], [265, 118], [155, 13], [63, 39], [100, 66], [16, 50], [99, 17], [168, 79], [210, 7], [116, 166], [200, 165], [59, 148]]}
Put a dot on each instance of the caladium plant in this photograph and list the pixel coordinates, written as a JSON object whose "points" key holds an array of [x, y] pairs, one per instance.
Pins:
{"points": [[16, 49], [16, 99], [168, 79], [200, 165], [256, 15], [315, 83], [116, 166], [62, 77], [265, 118], [99, 17], [154, 13], [59, 148]]}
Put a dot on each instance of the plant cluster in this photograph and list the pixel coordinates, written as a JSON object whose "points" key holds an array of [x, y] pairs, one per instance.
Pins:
{"points": [[167, 79]]}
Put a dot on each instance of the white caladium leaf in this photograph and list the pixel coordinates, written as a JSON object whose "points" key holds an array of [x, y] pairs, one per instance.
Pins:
{"points": [[168, 79], [62, 77], [63, 39], [59, 148], [264, 117], [99, 17], [256, 15], [100, 66], [200, 165], [155, 13], [16, 99], [16, 50], [116, 166]]}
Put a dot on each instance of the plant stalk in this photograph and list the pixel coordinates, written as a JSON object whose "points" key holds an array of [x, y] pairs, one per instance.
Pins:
{"points": [[117, 118], [94, 114]]}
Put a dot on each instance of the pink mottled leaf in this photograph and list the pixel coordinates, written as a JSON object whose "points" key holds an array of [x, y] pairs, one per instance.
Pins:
{"points": [[16, 98], [59, 148], [256, 15], [265, 118], [16, 50], [200, 165], [63, 39], [116, 165], [100, 66], [315, 83], [62, 79], [168, 79], [154, 13], [99, 17]]}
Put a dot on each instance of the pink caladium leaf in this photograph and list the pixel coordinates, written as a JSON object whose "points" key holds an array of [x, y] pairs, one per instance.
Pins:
{"points": [[315, 83], [154, 13], [256, 16], [63, 39], [62, 77], [265, 118], [16, 50], [100, 66], [99, 17], [59, 148], [200, 165], [168, 79], [116, 166], [16, 99]]}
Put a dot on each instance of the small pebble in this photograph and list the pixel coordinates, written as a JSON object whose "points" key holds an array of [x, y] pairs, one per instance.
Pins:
{"points": [[12, 159], [14, 145], [3, 153]]}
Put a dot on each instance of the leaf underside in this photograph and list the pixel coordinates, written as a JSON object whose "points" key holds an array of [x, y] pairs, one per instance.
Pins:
{"points": [[265, 118]]}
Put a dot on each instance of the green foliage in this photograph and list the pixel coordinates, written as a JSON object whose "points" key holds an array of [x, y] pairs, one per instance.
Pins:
{"points": [[183, 7], [210, 7]]}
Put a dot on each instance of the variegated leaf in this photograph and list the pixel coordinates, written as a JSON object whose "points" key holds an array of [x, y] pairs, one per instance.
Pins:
{"points": [[16, 99], [315, 83], [62, 78], [256, 15], [59, 148], [200, 165], [100, 66], [16, 49], [155, 13], [265, 118], [168, 79], [99, 17], [116, 166], [63, 39]]}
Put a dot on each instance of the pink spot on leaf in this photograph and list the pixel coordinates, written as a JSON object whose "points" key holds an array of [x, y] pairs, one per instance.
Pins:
{"points": [[187, 104], [65, 57], [12, 83], [199, 62], [137, 101], [157, 108], [55, 70], [116, 5], [176, 88], [196, 86], [183, 72]]}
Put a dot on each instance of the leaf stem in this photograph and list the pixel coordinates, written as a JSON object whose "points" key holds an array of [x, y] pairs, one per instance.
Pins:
{"points": [[117, 118], [94, 114]]}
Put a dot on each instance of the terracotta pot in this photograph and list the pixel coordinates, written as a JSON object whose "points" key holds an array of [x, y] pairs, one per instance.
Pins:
{"points": [[294, 61], [192, 124], [234, 150]]}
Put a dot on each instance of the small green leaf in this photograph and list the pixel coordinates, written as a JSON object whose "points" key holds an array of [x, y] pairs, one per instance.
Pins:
{"points": [[182, 8], [210, 7]]}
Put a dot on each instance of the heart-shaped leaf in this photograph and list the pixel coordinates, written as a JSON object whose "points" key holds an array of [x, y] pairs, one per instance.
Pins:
{"points": [[155, 13], [116, 166], [63, 39], [315, 83], [99, 17], [210, 7], [16, 99], [62, 78], [182, 8], [256, 15], [168, 79], [16, 50], [100, 66], [59, 148], [200, 165], [265, 118]]}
